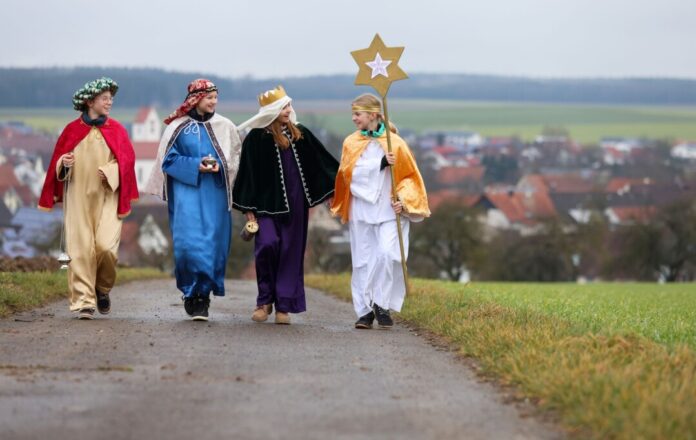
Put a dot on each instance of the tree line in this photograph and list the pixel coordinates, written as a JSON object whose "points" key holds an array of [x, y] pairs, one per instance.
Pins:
{"points": [[53, 87]]}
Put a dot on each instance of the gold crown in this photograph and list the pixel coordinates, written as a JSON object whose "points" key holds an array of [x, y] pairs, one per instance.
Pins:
{"points": [[271, 96]]}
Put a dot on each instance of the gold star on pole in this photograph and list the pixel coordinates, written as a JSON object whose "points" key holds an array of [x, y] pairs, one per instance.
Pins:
{"points": [[379, 66]]}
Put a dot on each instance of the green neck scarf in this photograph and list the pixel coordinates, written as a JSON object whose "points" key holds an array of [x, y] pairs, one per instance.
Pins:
{"points": [[374, 133]]}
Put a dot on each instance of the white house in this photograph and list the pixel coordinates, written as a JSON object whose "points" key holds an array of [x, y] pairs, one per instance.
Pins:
{"points": [[462, 139], [684, 150], [146, 132], [31, 172], [147, 126], [624, 145], [151, 239]]}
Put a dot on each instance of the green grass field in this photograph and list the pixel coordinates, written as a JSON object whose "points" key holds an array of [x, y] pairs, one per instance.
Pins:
{"points": [[664, 313], [586, 123], [610, 360], [21, 291]]}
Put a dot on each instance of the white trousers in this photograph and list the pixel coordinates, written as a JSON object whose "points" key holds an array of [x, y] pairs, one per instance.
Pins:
{"points": [[377, 274]]}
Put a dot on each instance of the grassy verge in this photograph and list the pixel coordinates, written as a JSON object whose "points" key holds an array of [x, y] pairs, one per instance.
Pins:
{"points": [[20, 291], [612, 360]]}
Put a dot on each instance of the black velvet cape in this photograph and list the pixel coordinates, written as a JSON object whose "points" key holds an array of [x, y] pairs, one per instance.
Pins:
{"points": [[259, 186]]}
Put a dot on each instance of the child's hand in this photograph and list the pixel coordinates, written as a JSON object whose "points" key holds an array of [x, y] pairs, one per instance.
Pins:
{"points": [[209, 169], [68, 160], [391, 158], [397, 206], [102, 176], [250, 216]]}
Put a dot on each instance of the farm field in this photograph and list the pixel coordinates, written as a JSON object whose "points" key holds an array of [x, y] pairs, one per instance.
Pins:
{"points": [[585, 123]]}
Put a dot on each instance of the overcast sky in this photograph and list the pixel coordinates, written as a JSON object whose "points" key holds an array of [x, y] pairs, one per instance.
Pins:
{"points": [[268, 38]]}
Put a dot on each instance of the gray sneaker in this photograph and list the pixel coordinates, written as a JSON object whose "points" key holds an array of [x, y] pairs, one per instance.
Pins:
{"points": [[85, 314]]}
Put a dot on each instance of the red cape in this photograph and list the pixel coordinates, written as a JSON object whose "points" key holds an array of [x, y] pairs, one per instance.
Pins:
{"points": [[116, 138]]}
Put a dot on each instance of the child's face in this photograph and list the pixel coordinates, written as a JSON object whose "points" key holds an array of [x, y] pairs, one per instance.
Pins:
{"points": [[364, 120], [284, 115], [207, 104], [101, 104]]}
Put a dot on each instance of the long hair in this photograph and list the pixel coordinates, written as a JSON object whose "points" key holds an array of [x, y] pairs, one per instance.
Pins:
{"points": [[276, 129], [370, 100]]}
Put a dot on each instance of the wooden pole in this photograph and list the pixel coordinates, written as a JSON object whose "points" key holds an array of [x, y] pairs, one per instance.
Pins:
{"points": [[394, 195]]}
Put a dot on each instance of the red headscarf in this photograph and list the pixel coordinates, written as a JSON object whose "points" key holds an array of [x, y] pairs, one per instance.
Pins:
{"points": [[197, 90]]}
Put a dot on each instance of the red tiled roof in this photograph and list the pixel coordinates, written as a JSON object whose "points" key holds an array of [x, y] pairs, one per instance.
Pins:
{"points": [[568, 183], [473, 161], [31, 143], [615, 153], [129, 232], [8, 180], [618, 183], [634, 213], [509, 204], [7, 177], [436, 198], [142, 114], [500, 140], [522, 207], [26, 195], [444, 149], [145, 150], [559, 183], [454, 175], [129, 251]]}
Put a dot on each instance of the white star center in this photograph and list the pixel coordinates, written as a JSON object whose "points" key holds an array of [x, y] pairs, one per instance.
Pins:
{"points": [[379, 66]]}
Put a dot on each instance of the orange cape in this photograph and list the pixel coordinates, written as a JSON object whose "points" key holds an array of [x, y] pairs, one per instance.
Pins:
{"points": [[409, 183]]}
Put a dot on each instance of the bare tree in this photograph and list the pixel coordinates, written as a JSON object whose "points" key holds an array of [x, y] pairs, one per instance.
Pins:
{"points": [[447, 241], [663, 247]]}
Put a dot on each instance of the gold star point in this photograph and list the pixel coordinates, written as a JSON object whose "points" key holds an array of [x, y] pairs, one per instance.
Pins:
{"points": [[378, 65]]}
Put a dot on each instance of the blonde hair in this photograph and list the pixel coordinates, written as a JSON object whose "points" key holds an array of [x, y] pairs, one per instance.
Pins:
{"points": [[370, 100]]}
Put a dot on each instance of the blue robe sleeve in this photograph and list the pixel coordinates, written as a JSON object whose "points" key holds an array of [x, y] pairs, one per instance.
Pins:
{"points": [[180, 167]]}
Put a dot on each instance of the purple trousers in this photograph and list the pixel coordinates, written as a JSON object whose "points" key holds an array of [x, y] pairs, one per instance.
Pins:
{"points": [[280, 244]]}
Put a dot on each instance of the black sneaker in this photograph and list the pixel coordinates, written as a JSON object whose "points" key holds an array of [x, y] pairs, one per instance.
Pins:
{"points": [[103, 303], [189, 304], [85, 314], [200, 312], [384, 319], [365, 321]]}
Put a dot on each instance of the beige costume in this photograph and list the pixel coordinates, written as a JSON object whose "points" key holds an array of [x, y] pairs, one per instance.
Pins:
{"points": [[92, 226]]}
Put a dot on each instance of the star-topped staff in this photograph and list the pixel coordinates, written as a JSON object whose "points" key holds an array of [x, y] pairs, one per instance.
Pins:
{"points": [[379, 67]]}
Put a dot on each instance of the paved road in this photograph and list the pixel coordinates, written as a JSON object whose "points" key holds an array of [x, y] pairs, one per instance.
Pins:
{"points": [[146, 372]]}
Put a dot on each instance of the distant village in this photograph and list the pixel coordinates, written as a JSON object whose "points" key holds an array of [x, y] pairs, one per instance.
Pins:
{"points": [[515, 185]]}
